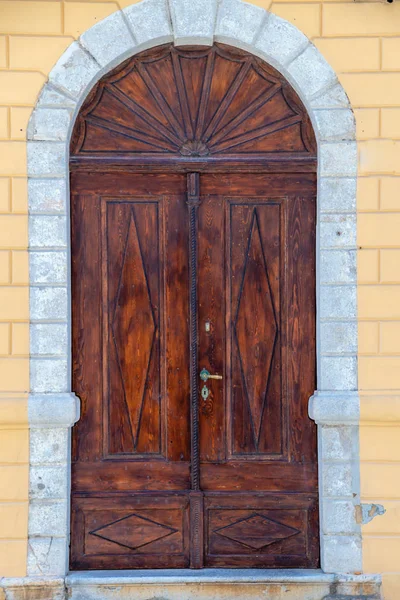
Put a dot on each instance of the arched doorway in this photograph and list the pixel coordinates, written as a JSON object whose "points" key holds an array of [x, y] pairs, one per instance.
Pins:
{"points": [[193, 185]]}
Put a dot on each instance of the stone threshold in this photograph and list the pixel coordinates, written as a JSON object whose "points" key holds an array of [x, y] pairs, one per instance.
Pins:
{"points": [[186, 584], [173, 576]]}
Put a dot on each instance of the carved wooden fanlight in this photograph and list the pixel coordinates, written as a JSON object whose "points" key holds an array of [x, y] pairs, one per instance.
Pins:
{"points": [[194, 102]]}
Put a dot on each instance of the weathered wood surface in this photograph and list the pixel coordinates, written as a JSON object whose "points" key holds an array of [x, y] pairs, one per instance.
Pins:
{"points": [[172, 274]]}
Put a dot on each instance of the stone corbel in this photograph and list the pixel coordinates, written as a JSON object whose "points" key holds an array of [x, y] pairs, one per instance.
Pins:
{"points": [[50, 411], [335, 408]]}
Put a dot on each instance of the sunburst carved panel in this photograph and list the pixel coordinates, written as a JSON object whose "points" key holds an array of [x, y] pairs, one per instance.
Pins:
{"points": [[193, 102]]}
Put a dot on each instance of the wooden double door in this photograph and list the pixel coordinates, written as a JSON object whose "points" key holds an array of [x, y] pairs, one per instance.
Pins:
{"points": [[194, 358]]}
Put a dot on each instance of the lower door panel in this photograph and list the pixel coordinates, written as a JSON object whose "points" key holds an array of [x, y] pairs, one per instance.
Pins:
{"points": [[139, 531], [261, 530]]}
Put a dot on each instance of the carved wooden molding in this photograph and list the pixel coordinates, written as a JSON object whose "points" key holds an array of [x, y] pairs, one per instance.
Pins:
{"points": [[193, 102]]}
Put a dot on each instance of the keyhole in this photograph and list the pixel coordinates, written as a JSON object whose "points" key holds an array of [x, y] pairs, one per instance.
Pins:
{"points": [[208, 326]]}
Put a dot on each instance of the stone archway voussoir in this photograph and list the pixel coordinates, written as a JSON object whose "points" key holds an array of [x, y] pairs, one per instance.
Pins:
{"points": [[239, 21]]}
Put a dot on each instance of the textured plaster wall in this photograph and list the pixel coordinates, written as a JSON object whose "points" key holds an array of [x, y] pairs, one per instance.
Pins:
{"points": [[362, 43]]}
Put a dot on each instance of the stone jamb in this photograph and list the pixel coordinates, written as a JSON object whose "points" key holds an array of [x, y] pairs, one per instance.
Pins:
{"points": [[52, 407]]}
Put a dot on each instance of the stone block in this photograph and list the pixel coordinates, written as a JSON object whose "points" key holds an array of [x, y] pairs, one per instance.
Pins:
{"points": [[361, 591], [337, 194], [338, 302], [33, 588], [53, 410], [335, 408], [338, 373], [338, 266], [311, 72], [149, 21], [280, 41], [109, 39], [49, 375], [51, 97], [338, 517], [49, 303], [49, 445], [49, 124], [334, 97], [46, 158], [338, 158], [48, 482], [193, 22], [48, 267], [338, 337], [74, 71], [249, 588], [49, 339], [47, 231], [47, 195], [48, 518], [337, 442], [335, 124], [213, 584], [239, 21], [337, 479], [338, 231], [47, 556], [341, 554]]}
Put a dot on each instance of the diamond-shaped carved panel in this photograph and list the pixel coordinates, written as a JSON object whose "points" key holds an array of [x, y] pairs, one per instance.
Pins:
{"points": [[256, 327], [133, 531], [133, 327], [257, 531]]}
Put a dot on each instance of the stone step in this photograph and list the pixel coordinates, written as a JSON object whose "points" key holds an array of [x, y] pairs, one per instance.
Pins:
{"points": [[207, 584]]}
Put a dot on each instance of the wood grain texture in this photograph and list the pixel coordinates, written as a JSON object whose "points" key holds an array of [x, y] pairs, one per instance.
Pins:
{"points": [[261, 530], [132, 360], [131, 353], [196, 103], [130, 531], [193, 246]]}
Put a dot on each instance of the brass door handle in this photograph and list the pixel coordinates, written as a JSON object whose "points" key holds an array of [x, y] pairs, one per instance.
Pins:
{"points": [[204, 375]]}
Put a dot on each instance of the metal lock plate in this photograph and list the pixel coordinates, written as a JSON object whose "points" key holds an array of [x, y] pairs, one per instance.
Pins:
{"points": [[205, 392]]}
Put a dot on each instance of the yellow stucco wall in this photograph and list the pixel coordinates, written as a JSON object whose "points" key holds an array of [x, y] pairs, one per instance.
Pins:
{"points": [[361, 40]]}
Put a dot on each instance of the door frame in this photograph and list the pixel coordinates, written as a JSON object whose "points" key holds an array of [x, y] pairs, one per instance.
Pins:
{"points": [[53, 408]]}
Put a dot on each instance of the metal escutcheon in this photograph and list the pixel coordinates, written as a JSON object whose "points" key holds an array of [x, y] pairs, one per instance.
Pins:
{"points": [[205, 392]]}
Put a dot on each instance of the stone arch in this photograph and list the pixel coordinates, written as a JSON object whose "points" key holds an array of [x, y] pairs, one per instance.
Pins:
{"points": [[53, 408]]}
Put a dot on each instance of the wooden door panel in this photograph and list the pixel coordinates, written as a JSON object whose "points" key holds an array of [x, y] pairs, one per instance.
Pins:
{"points": [[301, 333], [255, 475], [268, 305], [133, 503], [262, 340], [86, 334], [258, 185], [130, 531], [211, 311], [131, 351], [256, 401], [193, 247], [261, 529], [133, 268], [126, 475]]}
